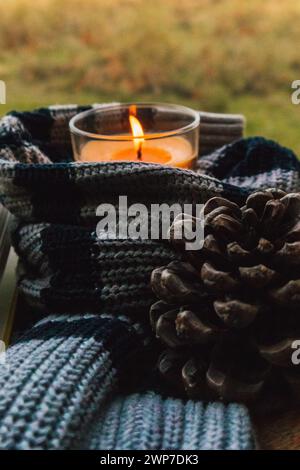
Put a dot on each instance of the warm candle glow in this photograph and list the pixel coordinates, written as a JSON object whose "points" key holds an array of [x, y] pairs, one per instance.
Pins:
{"points": [[138, 134], [136, 141]]}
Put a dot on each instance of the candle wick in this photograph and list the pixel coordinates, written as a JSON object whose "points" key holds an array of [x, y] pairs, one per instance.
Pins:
{"points": [[139, 152]]}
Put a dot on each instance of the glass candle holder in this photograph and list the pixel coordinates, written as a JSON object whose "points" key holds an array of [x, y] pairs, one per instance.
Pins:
{"points": [[147, 132]]}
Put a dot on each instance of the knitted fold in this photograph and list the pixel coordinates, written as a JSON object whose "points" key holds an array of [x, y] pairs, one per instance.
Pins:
{"points": [[58, 375], [149, 422], [254, 163], [68, 268]]}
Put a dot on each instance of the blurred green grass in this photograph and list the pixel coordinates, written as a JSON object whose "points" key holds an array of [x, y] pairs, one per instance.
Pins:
{"points": [[216, 55]]}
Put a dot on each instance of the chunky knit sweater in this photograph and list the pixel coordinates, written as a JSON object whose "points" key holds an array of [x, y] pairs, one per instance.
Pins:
{"points": [[57, 392]]}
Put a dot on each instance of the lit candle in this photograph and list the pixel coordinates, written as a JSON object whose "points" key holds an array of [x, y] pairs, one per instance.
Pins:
{"points": [[159, 147], [174, 151]]}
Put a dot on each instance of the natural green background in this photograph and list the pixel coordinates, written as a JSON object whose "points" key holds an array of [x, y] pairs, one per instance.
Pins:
{"points": [[222, 55]]}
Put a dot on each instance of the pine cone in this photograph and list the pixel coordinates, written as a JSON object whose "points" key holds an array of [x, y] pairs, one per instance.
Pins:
{"points": [[229, 313]]}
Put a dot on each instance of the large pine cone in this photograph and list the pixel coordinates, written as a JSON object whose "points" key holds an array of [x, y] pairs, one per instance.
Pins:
{"points": [[230, 312]]}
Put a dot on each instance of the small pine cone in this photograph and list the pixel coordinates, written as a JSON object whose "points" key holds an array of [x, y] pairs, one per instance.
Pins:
{"points": [[229, 313]]}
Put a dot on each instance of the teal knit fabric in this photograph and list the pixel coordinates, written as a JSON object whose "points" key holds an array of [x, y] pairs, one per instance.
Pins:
{"points": [[56, 392], [149, 422], [58, 375]]}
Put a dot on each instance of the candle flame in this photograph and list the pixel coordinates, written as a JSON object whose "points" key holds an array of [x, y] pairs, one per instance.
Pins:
{"points": [[137, 132]]}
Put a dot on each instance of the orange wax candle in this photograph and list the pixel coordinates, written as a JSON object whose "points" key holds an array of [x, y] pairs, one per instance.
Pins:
{"points": [[174, 151], [146, 132]]}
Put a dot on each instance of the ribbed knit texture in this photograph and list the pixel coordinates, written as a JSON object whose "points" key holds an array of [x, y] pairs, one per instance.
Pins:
{"points": [[149, 422], [254, 163], [58, 375], [58, 378]]}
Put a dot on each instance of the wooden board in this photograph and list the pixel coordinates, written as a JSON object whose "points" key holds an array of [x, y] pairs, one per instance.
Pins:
{"points": [[280, 431]]}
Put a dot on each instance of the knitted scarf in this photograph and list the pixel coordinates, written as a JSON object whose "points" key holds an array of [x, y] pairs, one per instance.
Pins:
{"points": [[64, 369]]}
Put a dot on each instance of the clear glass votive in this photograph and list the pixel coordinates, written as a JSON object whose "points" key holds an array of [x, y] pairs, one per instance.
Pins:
{"points": [[144, 132]]}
